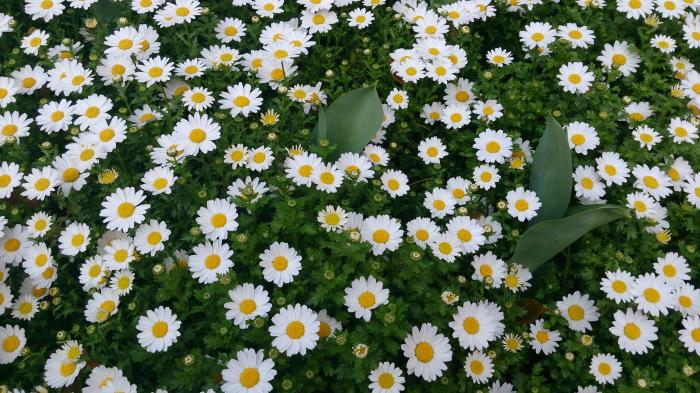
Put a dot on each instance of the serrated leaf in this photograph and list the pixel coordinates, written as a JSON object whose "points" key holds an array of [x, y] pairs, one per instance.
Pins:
{"points": [[353, 119], [550, 176], [548, 238]]}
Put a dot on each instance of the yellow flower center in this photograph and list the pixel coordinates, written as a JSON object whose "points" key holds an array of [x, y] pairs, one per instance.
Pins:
{"points": [[249, 377], [198, 135], [295, 330], [247, 306], [366, 299], [471, 325], [632, 331], [212, 261], [380, 236], [125, 209], [218, 220], [159, 329], [576, 312], [280, 263], [424, 352]]}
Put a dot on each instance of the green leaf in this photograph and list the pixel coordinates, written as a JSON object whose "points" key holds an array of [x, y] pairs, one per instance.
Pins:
{"points": [[547, 238], [550, 176], [321, 128], [353, 119], [106, 10]]}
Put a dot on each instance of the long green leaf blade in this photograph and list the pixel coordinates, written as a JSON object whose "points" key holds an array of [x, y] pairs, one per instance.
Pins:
{"points": [[353, 119], [550, 176], [546, 239]]}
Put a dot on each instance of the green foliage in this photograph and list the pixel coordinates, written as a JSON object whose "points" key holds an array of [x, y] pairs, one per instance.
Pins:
{"points": [[351, 120]]}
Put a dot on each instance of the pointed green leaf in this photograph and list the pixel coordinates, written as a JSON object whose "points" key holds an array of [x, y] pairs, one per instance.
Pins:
{"points": [[321, 128], [547, 238], [550, 176], [353, 119]]}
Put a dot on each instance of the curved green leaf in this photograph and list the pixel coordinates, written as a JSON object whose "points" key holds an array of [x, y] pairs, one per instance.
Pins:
{"points": [[321, 128], [547, 238], [353, 119], [550, 176]]}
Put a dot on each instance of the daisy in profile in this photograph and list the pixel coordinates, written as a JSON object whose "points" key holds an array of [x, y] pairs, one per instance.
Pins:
{"points": [[543, 340], [493, 146], [395, 183], [355, 166], [605, 368], [247, 303], [432, 150], [691, 187], [280, 263], [386, 378], [479, 367], [150, 237], [382, 233], [634, 331], [332, 218], [364, 295], [499, 57], [579, 311], [689, 335], [123, 209], [477, 324], [458, 187], [638, 111], [248, 372], [652, 294], [620, 56], [377, 155], [197, 134], [422, 230], [210, 259], [249, 190], [13, 341], [260, 158], [522, 204], [217, 219], [612, 168], [158, 329], [295, 329], [93, 274], [241, 99], [5, 297], [427, 352], [575, 78], [644, 206]]}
